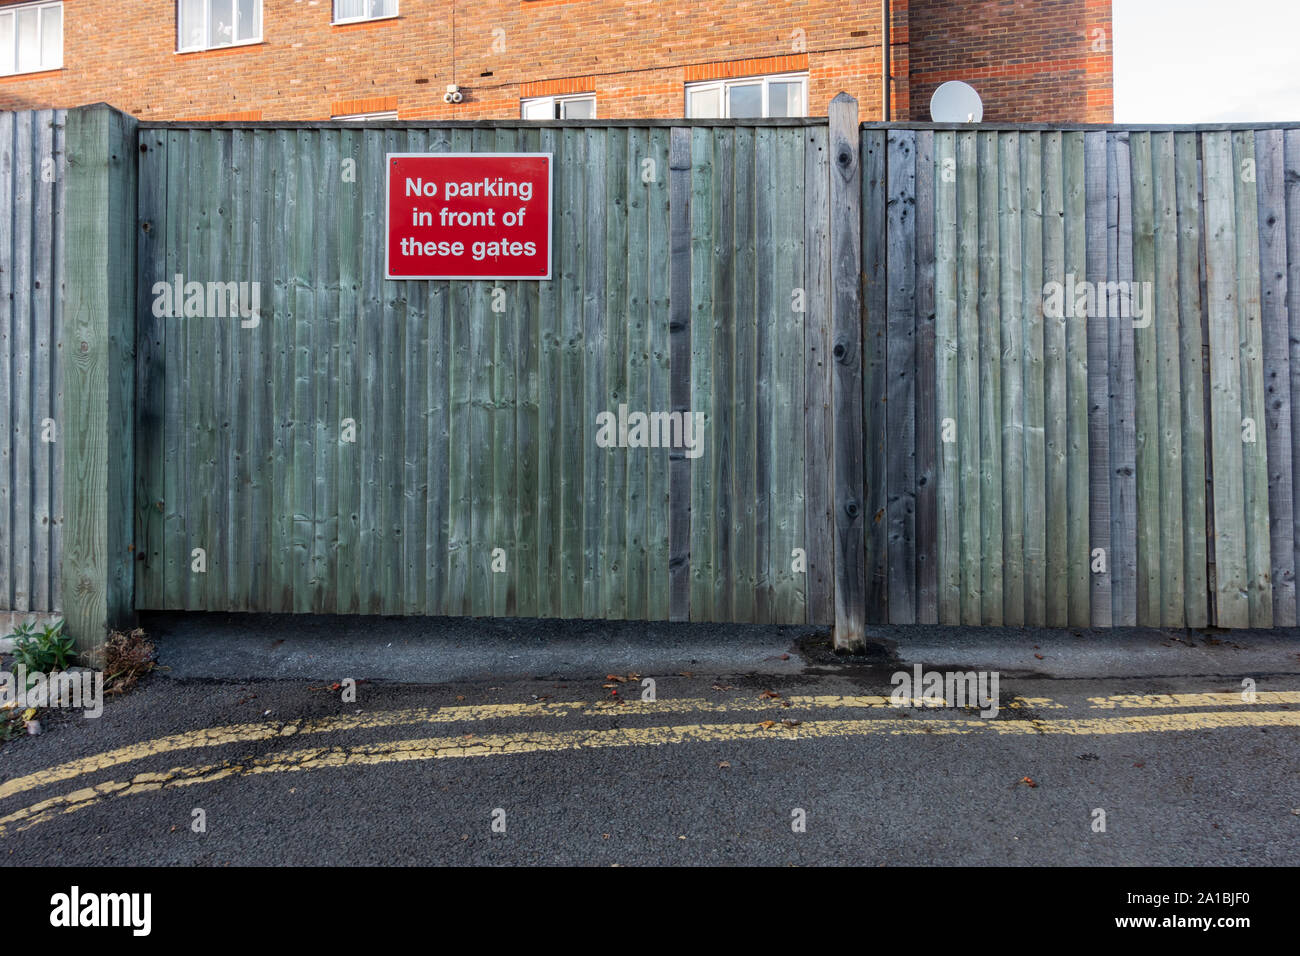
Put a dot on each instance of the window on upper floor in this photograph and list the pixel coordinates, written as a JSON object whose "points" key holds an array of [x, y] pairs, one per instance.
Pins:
{"points": [[354, 11], [210, 24], [559, 107], [752, 97], [365, 117], [31, 38]]}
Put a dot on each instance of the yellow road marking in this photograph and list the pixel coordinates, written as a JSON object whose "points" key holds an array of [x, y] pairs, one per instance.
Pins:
{"points": [[433, 748], [252, 733], [1233, 698]]}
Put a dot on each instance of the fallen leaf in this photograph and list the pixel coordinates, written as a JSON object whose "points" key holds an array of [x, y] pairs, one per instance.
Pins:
{"points": [[1039, 656], [723, 765], [460, 696], [791, 723], [685, 674], [769, 695], [615, 677], [1029, 782], [767, 724]]}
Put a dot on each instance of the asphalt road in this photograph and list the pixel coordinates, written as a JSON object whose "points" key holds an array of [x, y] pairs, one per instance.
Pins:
{"points": [[718, 769]]}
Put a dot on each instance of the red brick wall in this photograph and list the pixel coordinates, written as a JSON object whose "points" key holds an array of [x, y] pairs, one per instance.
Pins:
{"points": [[635, 55], [1031, 60]]}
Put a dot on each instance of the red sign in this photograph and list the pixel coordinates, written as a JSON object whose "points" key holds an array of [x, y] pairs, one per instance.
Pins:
{"points": [[469, 216]]}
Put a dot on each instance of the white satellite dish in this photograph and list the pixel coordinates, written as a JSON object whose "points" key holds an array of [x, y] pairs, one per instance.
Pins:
{"points": [[956, 102]]}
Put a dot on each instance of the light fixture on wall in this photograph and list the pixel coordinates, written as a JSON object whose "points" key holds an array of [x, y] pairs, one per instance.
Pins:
{"points": [[453, 94]]}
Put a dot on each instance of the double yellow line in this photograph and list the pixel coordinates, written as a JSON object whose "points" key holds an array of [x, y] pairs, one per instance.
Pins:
{"points": [[1245, 714]]}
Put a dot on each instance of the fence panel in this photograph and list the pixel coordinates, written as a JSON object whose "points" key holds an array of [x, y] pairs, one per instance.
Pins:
{"points": [[1082, 445], [475, 485], [32, 186]]}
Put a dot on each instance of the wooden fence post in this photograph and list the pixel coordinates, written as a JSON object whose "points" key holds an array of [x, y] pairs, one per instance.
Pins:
{"points": [[99, 389], [846, 383]]}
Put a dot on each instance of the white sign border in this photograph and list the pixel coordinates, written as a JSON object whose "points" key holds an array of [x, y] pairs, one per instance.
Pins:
{"points": [[550, 218]]}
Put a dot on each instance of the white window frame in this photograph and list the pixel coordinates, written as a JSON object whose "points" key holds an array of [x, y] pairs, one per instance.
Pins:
{"points": [[43, 67], [380, 117], [207, 22], [724, 86], [524, 102], [336, 22]]}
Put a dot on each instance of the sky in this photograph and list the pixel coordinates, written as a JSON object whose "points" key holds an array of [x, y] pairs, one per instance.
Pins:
{"points": [[1207, 61]]}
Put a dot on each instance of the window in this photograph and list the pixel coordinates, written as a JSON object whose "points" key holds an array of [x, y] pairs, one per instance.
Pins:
{"points": [[208, 24], [31, 38], [365, 117], [354, 11], [559, 107], [754, 97]]}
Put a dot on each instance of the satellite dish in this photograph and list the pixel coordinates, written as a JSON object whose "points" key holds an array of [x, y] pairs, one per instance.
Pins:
{"points": [[956, 102]]}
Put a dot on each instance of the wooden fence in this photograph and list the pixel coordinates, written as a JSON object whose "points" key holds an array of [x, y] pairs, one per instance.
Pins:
{"points": [[32, 199], [475, 485], [1082, 359], [971, 376]]}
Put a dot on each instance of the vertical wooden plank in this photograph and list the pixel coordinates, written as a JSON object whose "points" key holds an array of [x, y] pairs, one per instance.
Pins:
{"points": [[1164, 313], [787, 497], [8, 211], [927, 430], [175, 557], [1075, 245], [745, 438], [819, 521], [97, 571], [59, 236], [847, 274], [592, 498], [617, 461], [1270, 149], [549, 387], [765, 177], [992, 527], [1123, 432], [1065, 397], [42, 356], [233, 425], [719, 328], [199, 374], [1192, 376], [1012, 432], [482, 336], [900, 371], [968, 377], [873, 338], [505, 446], [281, 216], [639, 183], [1291, 165], [703, 143], [947, 404], [26, 181], [1230, 544], [1099, 397], [151, 369], [664, 286], [350, 386], [1147, 384], [1254, 452], [416, 412], [528, 435], [681, 217], [1036, 377], [573, 407]]}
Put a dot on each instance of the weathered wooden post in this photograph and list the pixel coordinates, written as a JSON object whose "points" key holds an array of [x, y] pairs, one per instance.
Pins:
{"points": [[99, 374], [846, 382]]}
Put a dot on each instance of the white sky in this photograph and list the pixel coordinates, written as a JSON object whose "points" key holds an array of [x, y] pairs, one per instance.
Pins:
{"points": [[1207, 61]]}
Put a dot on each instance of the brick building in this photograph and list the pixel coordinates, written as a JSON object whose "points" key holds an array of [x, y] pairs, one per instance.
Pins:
{"points": [[1046, 60]]}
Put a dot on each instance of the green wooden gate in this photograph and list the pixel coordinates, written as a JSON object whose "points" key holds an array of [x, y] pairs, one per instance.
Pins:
{"points": [[382, 447]]}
